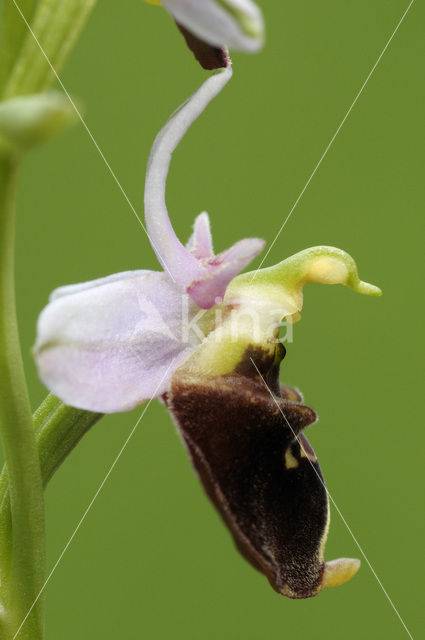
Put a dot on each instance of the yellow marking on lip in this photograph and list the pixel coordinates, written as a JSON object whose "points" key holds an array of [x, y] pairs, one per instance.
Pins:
{"points": [[304, 454], [290, 460], [304, 449], [325, 534]]}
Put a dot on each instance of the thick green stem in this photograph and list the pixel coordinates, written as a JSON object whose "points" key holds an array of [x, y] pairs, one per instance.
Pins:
{"points": [[24, 69], [56, 26], [22, 572], [58, 430]]}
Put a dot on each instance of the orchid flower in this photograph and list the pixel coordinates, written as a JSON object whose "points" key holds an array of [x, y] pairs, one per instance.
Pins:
{"points": [[237, 24], [205, 340], [110, 344]]}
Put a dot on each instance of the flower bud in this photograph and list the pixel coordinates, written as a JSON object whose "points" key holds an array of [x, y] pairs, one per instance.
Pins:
{"points": [[28, 120]]}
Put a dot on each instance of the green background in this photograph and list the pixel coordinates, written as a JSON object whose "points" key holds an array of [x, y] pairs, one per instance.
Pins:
{"points": [[152, 559]]}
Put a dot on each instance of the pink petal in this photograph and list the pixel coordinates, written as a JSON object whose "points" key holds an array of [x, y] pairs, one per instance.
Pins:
{"points": [[110, 344], [200, 243], [223, 268], [182, 266]]}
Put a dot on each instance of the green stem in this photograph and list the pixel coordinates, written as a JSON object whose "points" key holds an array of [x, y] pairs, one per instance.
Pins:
{"points": [[23, 572], [58, 430], [56, 25], [25, 70]]}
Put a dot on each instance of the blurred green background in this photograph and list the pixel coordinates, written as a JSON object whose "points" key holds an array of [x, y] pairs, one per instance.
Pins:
{"points": [[153, 560]]}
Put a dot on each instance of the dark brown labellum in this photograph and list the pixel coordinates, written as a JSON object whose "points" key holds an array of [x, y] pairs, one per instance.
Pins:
{"points": [[209, 57], [265, 482]]}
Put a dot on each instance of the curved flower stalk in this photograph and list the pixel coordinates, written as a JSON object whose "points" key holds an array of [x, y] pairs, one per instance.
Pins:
{"points": [[205, 339], [237, 24]]}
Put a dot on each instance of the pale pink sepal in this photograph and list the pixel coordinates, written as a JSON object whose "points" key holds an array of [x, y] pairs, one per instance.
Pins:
{"points": [[194, 268], [110, 344], [183, 267]]}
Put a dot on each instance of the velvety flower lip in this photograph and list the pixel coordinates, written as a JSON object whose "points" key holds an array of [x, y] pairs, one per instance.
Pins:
{"points": [[110, 344], [237, 24], [259, 470], [244, 431]]}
